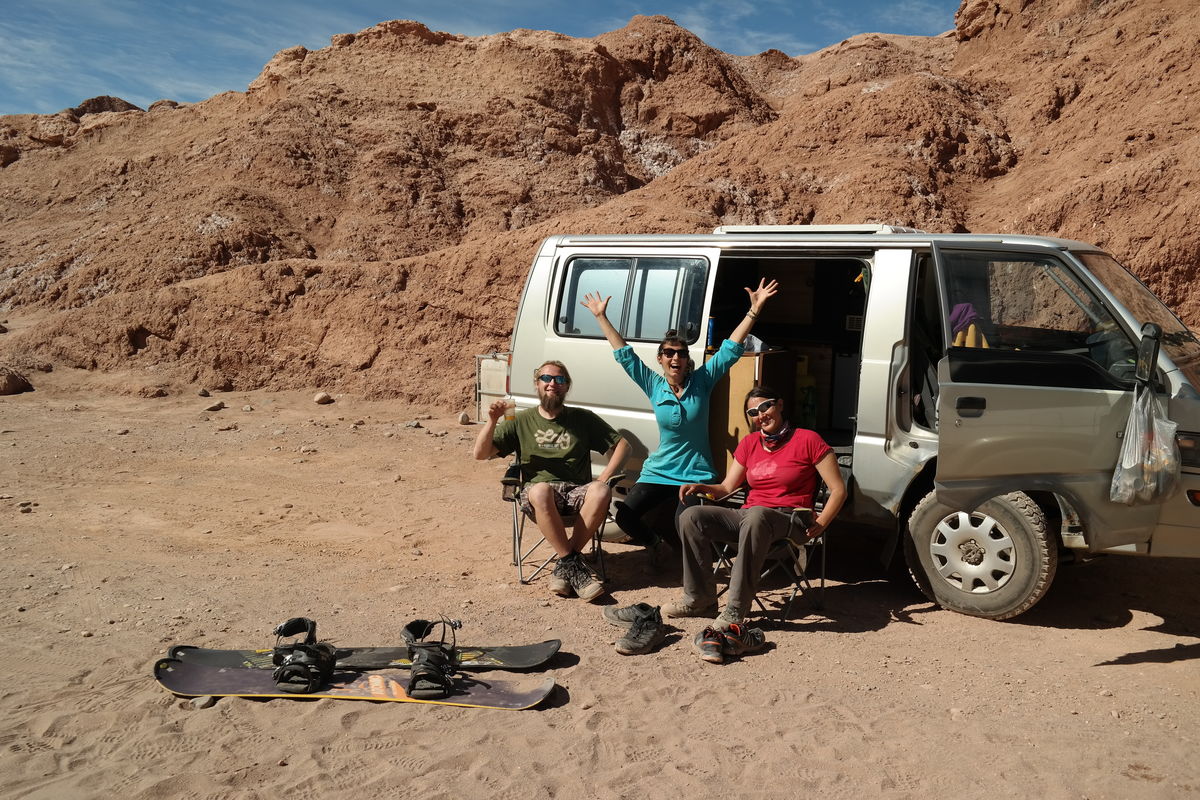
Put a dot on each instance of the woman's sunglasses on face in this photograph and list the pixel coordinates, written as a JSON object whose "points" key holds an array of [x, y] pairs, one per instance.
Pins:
{"points": [[671, 352], [760, 408], [557, 379]]}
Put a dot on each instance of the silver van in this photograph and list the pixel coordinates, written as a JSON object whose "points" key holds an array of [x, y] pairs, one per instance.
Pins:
{"points": [[975, 387]]}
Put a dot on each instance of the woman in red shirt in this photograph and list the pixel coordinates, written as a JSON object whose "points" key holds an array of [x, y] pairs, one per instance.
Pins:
{"points": [[782, 464]]}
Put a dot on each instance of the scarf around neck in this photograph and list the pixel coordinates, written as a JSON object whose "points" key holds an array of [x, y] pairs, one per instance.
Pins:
{"points": [[773, 440]]}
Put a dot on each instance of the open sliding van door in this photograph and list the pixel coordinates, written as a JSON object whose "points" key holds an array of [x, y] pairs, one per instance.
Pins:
{"points": [[1035, 389]]}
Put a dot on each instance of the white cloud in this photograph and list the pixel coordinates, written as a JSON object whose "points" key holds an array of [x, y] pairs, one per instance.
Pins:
{"points": [[920, 16], [56, 53], [745, 28]]}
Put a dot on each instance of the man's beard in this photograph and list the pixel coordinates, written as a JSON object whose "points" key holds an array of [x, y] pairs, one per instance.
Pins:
{"points": [[552, 403]]}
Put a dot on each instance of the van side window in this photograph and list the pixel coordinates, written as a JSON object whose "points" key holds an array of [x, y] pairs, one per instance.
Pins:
{"points": [[649, 296], [1034, 304]]}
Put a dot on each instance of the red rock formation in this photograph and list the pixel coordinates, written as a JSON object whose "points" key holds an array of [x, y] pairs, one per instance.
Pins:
{"points": [[363, 215]]}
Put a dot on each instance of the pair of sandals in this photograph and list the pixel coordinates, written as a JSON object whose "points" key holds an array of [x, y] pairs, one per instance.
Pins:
{"points": [[303, 667]]}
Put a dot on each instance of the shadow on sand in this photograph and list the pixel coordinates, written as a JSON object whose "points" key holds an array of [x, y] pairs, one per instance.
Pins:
{"points": [[1106, 592]]}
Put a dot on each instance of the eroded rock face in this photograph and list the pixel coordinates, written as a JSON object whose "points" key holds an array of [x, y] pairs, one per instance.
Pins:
{"points": [[13, 382], [363, 210], [97, 105]]}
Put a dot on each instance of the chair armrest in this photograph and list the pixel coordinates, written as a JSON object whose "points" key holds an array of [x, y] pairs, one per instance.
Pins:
{"points": [[512, 475], [734, 499]]}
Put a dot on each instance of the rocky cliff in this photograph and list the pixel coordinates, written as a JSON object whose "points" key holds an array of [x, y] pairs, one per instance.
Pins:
{"points": [[362, 216]]}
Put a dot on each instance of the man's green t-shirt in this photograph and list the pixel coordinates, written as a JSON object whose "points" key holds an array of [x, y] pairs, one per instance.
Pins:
{"points": [[556, 449]]}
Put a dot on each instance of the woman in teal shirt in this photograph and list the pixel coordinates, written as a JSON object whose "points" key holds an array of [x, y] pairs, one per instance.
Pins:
{"points": [[679, 398]]}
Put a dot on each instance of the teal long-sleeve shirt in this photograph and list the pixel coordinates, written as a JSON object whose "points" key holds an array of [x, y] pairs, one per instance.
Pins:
{"points": [[684, 454]]}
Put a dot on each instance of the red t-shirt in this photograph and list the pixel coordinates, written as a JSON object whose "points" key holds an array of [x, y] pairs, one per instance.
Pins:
{"points": [[785, 477]]}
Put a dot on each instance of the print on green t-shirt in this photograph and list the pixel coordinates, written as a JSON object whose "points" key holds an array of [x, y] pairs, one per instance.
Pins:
{"points": [[556, 449]]}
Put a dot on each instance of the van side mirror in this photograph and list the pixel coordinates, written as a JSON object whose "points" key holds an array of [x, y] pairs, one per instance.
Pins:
{"points": [[1147, 359]]}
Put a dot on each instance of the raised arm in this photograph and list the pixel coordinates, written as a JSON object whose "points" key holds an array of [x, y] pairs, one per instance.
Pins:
{"points": [[594, 303], [758, 299], [485, 446], [832, 475]]}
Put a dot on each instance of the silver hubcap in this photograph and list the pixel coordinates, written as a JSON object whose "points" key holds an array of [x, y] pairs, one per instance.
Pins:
{"points": [[972, 552]]}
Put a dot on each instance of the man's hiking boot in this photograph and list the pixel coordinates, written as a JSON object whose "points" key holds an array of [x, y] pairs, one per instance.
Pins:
{"points": [[740, 640], [644, 633], [710, 643], [585, 583], [624, 617], [559, 581], [730, 615], [685, 608]]}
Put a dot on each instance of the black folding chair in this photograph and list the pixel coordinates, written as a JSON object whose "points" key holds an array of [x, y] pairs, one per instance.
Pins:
{"points": [[511, 485], [791, 556]]}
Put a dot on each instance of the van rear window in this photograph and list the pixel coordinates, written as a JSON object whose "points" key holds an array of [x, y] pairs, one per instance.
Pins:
{"points": [[650, 295]]}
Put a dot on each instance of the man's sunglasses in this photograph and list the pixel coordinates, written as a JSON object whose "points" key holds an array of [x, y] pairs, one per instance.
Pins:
{"points": [[760, 408], [559, 379], [671, 352]]}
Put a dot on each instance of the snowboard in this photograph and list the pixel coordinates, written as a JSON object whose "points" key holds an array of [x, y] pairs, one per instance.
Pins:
{"points": [[196, 680], [515, 657]]}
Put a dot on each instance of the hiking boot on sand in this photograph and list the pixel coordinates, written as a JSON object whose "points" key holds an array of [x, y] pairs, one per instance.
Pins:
{"points": [[559, 583], [709, 643], [624, 617], [740, 640], [730, 615], [645, 632], [683, 608], [582, 579]]}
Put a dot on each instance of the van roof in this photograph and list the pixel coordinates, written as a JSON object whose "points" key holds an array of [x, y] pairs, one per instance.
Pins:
{"points": [[829, 235], [778, 229]]}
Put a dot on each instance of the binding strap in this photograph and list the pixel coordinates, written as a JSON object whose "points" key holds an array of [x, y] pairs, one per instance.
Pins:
{"points": [[419, 631], [294, 627], [301, 667], [434, 660]]}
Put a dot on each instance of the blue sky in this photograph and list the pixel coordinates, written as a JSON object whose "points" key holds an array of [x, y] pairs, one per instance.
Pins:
{"points": [[56, 53]]}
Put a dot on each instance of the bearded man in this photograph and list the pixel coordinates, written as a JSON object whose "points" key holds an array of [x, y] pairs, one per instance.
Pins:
{"points": [[554, 442]]}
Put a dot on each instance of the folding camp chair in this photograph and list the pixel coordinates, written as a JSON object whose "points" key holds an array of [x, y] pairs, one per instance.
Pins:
{"points": [[791, 556], [511, 485]]}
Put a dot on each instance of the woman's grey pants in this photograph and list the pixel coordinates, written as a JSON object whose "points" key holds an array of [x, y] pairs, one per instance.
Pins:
{"points": [[753, 530]]}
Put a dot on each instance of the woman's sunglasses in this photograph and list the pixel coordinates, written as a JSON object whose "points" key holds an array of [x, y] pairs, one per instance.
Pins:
{"points": [[671, 352], [760, 408], [559, 379]]}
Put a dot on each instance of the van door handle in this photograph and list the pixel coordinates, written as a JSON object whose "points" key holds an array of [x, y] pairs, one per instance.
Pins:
{"points": [[970, 406]]}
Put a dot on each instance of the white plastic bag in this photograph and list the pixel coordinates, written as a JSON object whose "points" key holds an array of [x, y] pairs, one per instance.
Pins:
{"points": [[1148, 464]]}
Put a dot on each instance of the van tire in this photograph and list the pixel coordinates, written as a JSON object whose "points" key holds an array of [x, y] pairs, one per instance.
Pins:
{"points": [[995, 562]]}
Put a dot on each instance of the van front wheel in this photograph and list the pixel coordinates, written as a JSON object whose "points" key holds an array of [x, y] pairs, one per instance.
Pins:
{"points": [[994, 562]]}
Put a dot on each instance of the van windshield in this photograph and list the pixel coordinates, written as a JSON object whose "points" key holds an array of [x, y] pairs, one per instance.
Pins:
{"points": [[1179, 343]]}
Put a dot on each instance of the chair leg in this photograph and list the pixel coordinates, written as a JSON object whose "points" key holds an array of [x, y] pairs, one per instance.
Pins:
{"points": [[824, 545], [777, 564], [525, 555], [518, 522], [803, 583], [520, 557], [787, 607], [598, 549]]}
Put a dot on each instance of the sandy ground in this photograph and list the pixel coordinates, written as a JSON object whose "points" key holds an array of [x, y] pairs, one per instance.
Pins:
{"points": [[156, 523]]}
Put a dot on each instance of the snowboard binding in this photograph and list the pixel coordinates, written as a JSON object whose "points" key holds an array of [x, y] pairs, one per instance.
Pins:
{"points": [[301, 667], [434, 661]]}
